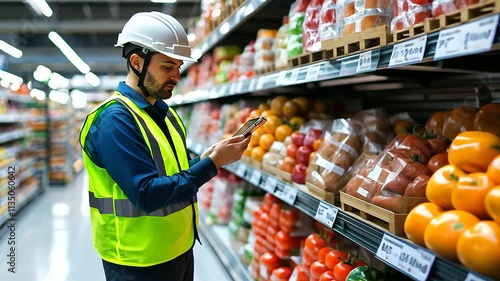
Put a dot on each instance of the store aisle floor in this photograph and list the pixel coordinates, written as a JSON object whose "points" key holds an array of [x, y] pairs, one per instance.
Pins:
{"points": [[53, 241]]}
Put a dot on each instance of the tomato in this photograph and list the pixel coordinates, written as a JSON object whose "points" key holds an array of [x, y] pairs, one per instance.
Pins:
{"points": [[315, 243], [414, 169], [334, 257], [288, 164], [470, 193], [327, 276], [323, 252], [282, 132], [493, 170], [436, 122], [341, 271], [473, 151], [288, 217], [358, 263], [440, 185], [478, 248], [437, 161], [442, 233], [488, 119], [308, 258], [492, 202], [460, 119], [281, 274], [317, 269], [299, 274], [270, 261], [285, 241], [418, 219], [274, 213], [440, 144], [423, 149], [268, 202], [417, 187]]}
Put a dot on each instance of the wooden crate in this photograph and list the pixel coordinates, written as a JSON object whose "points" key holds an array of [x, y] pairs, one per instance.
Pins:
{"points": [[464, 15], [361, 41], [408, 33], [264, 70], [333, 198], [377, 216], [277, 172]]}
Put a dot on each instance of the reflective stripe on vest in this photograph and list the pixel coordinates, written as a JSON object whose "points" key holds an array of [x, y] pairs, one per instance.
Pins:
{"points": [[125, 208]]}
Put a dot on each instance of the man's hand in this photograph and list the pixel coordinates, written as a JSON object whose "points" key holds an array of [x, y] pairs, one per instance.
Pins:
{"points": [[208, 151], [229, 151]]}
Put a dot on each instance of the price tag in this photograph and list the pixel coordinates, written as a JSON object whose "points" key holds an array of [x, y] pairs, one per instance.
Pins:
{"points": [[260, 83], [239, 87], [199, 148], [414, 262], [271, 184], [294, 75], [313, 72], [232, 88], [241, 170], [253, 83], [326, 213], [411, 51], [288, 194], [364, 62], [223, 90], [473, 37], [472, 277], [281, 80], [255, 177]]}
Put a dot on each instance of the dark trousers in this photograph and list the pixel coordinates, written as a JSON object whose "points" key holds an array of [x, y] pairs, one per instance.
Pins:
{"points": [[178, 269]]}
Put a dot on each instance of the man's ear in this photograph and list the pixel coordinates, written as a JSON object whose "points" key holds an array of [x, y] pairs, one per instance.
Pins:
{"points": [[136, 61]]}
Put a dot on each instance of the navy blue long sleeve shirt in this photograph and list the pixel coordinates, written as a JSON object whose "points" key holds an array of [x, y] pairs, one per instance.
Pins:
{"points": [[115, 143]]}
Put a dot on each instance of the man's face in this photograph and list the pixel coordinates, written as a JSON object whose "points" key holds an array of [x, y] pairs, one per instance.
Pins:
{"points": [[162, 75]]}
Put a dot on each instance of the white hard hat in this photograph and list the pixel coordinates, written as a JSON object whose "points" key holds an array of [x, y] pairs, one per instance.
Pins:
{"points": [[157, 32]]}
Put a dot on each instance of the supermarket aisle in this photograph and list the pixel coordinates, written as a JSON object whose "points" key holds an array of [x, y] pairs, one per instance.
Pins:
{"points": [[53, 242]]}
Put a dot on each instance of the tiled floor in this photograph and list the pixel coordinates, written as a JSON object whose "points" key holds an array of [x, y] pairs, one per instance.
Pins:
{"points": [[53, 242]]}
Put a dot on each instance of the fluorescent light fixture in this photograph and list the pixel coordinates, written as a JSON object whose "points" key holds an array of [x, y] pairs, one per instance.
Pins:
{"points": [[15, 87], [42, 73], [93, 79], [57, 81], [41, 7], [163, 1], [10, 78], [11, 50], [38, 94], [78, 99], [4, 83], [59, 97], [68, 52]]}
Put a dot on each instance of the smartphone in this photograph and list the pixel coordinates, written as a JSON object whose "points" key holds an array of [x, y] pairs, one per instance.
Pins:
{"points": [[250, 126]]}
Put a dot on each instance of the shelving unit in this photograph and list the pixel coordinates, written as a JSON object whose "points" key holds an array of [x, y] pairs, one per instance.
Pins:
{"points": [[383, 64], [60, 156]]}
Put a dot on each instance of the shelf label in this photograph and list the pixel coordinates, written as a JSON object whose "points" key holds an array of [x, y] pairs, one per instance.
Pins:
{"points": [[253, 83], [411, 51], [287, 194], [469, 38], [294, 75], [241, 170], [326, 213], [260, 83], [271, 184], [472, 277], [313, 72], [239, 87], [364, 62], [255, 177], [281, 80], [199, 148], [223, 89], [413, 262]]}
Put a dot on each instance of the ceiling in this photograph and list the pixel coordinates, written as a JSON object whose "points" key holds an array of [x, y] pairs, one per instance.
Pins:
{"points": [[89, 27]]}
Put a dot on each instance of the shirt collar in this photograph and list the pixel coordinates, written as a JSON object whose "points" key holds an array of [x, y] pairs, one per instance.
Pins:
{"points": [[141, 101]]}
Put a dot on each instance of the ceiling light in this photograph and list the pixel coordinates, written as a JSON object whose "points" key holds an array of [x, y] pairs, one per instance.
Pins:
{"points": [[68, 52], [93, 79], [41, 7], [59, 97], [42, 73], [10, 78], [78, 99], [38, 94], [11, 50], [57, 81], [163, 1]]}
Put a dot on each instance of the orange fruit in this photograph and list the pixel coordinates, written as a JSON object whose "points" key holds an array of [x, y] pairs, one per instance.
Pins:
{"points": [[267, 113], [277, 104], [478, 248], [255, 136], [442, 233], [273, 122], [248, 151], [441, 184], [317, 143], [492, 202], [290, 108], [263, 107], [255, 113], [494, 170], [257, 153], [265, 141], [296, 121], [470, 193], [282, 132], [288, 164], [418, 219], [304, 104]]}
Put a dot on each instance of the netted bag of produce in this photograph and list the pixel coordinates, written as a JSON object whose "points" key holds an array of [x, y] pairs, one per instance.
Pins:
{"points": [[296, 18], [340, 148], [328, 20], [399, 172], [310, 35]]}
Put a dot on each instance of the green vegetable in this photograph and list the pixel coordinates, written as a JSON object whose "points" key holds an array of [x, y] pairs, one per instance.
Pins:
{"points": [[365, 273]]}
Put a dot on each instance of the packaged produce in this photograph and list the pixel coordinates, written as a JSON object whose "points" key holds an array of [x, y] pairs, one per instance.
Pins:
{"points": [[247, 62], [339, 150], [264, 55], [310, 33], [328, 27], [459, 120], [280, 46], [365, 14], [402, 123], [377, 129], [440, 7], [296, 18], [410, 12]]}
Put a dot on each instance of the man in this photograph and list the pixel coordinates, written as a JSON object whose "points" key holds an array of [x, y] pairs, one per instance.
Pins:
{"points": [[142, 183]]}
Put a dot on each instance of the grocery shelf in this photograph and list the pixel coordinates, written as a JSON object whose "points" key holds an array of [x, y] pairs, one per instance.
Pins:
{"points": [[5, 95], [14, 118], [360, 232], [219, 239], [14, 135], [351, 66]]}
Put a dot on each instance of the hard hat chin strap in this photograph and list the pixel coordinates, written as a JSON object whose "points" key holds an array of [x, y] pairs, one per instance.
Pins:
{"points": [[142, 75]]}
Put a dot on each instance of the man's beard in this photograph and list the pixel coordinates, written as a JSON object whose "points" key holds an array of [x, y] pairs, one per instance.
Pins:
{"points": [[157, 90]]}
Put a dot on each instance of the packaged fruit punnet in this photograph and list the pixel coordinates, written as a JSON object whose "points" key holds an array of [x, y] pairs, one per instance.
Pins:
{"points": [[377, 128], [440, 7], [264, 55], [296, 18], [310, 31], [398, 172], [340, 148], [279, 47], [328, 27], [410, 12], [362, 15]]}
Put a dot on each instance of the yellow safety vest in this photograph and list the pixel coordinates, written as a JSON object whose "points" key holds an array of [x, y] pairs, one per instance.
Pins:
{"points": [[122, 233]]}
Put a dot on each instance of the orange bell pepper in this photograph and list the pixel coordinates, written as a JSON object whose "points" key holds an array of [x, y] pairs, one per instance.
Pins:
{"points": [[472, 151]]}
